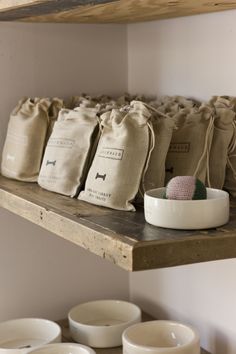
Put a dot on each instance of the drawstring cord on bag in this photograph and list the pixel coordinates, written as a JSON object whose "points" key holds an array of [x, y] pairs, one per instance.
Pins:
{"points": [[156, 110], [206, 152], [152, 145]]}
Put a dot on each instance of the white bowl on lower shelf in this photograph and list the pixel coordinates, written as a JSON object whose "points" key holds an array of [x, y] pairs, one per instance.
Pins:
{"points": [[100, 324], [21, 335], [160, 337], [187, 214], [63, 348]]}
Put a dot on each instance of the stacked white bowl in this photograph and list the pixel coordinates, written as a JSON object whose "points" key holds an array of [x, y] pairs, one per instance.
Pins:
{"points": [[160, 337], [21, 335], [100, 324]]}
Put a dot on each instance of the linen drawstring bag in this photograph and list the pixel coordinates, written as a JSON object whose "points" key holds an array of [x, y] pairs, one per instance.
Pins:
{"points": [[56, 105], [230, 178], [229, 103], [163, 126], [222, 136], [24, 144], [230, 175], [67, 154], [188, 154], [121, 158]]}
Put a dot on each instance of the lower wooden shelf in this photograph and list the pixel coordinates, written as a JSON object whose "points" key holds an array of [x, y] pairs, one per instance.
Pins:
{"points": [[67, 338], [124, 238]]}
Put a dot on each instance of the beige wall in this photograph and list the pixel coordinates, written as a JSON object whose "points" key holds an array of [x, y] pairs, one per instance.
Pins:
{"points": [[193, 56], [40, 274]]}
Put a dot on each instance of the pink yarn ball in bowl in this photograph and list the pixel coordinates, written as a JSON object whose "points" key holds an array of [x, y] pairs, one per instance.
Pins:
{"points": [[185, 188]]}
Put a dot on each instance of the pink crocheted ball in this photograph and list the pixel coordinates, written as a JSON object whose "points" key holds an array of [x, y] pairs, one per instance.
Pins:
{"points": [[185, 188]]}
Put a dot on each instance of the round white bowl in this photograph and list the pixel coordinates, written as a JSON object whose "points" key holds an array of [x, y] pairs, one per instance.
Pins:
{"points": [[23, 334], [100, 324], [187, 214], [63, 348], [160, 337]]}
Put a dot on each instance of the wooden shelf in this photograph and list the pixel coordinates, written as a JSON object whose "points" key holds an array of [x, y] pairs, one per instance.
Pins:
{"points": [[106, 11], [67, 338], [123, 238]]}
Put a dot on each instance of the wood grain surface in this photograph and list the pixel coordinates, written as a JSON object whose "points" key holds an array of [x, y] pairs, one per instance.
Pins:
{"points": [[106, 11], [124, 238]]}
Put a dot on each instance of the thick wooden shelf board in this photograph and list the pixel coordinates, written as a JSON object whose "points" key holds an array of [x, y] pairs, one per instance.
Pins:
{"points": [[106, 11], [124, 238], [66, 337]]}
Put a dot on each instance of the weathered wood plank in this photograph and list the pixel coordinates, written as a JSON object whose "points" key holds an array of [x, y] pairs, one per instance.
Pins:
{"points": [[66, 337], [40, 8], [123, 238], [106, 11], [65, 217]]}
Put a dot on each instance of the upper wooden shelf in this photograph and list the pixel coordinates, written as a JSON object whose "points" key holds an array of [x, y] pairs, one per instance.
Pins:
{"points": [[106, 11], [123, 238]]}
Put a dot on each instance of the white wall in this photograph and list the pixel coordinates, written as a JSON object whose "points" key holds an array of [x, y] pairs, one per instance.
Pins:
{"points": [[40, 274], [193, 56]]}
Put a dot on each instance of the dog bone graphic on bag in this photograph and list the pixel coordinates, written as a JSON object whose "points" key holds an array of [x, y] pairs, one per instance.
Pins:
{"points": [[25, 140], [68, 151], [115, 174]]}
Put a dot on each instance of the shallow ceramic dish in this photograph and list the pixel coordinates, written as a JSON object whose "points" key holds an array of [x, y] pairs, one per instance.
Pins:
{"points": [[160, 337], [23, 334], [100, 324], [187, 214], [63, 348]]}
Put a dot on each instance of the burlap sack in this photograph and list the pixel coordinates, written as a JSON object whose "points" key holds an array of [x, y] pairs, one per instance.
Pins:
{"points": [[163, 126], [222, 136], [24, 144], [229, 103], [67, 154], [188, 154], [230, 177], [123, 150], [56, 104]]}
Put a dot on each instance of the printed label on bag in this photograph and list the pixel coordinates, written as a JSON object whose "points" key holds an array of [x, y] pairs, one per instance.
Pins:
{"points": [[61, 143], [179, 147], [18, 139], [96, 195], [111, 153]]}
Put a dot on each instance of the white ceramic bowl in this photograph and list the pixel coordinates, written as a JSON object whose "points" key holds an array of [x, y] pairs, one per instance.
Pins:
{"points": [[160, 337], [100, 324], [187, 214], [23, 334], [63, 348]]}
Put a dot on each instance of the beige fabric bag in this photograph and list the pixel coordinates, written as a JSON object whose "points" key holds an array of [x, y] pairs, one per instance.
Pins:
{"points": [[67, 154], [222, 136], [230, 176], [188, 154], [56, 105], [163, 127], [24, 144], [119, 163]]}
